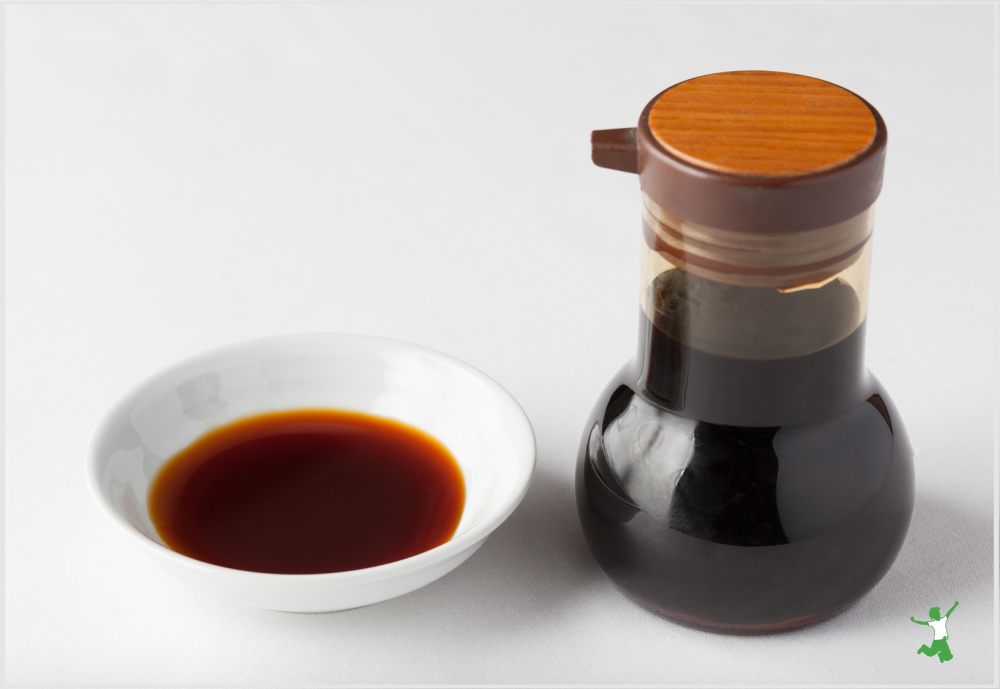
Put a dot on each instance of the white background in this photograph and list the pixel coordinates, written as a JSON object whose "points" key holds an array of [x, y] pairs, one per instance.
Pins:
{"points": [[181, 176]]}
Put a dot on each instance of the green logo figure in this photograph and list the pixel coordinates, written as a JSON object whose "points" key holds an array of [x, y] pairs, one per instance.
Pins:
{"points": [[939, 646]]}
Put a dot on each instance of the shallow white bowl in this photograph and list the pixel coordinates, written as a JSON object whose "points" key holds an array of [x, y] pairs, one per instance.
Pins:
{"points": [[472, 415]]}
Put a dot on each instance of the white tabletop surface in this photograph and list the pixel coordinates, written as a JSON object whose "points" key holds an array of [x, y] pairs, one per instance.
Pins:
{"points": [[181, 176]]}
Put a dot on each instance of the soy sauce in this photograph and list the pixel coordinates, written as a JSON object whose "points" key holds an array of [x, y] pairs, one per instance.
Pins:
{"points": [[308, 492], [745, 494]]}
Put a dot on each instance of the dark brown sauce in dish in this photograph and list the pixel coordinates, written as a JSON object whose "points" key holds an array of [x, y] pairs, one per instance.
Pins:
{"points": [[308, 492]]}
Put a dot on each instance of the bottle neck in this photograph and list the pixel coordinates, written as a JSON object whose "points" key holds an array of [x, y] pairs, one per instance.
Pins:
{"points": [[750, 392], [752, 349]]}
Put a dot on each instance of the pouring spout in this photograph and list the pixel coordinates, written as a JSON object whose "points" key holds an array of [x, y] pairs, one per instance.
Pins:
{"points": [[615, 149]]}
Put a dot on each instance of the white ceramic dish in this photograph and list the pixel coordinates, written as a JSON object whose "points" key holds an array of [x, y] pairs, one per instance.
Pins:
{"points": [[477, 420]]}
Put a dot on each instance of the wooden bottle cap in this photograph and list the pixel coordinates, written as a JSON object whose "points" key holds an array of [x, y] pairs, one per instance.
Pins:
{"points": [[754, 151]]}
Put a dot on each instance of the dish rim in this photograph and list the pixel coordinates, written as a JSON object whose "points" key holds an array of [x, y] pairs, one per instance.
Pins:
{"points": [[526, 458]]}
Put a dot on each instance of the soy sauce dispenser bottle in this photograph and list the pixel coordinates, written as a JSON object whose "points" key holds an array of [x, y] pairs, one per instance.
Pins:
{"points": [[745, 472]]}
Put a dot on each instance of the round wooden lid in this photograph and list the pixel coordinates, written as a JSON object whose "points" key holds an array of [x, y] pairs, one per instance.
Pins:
{"points": [[762, 123], [761, 151]]}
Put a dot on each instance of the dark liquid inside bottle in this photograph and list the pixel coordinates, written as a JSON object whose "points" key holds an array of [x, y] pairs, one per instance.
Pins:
{"points": [[745, 473]]}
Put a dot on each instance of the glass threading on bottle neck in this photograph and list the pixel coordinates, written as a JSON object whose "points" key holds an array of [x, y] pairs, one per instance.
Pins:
{"points": [[755, 259]]}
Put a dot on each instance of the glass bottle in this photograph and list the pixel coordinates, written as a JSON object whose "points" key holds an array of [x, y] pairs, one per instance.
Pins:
{"points": [[745, 472]]}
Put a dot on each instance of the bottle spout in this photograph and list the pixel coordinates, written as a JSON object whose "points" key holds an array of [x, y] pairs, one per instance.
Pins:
{"points": [[615, 149]]}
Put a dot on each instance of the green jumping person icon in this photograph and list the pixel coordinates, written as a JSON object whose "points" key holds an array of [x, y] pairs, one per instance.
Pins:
{"points": [[939, 646]]}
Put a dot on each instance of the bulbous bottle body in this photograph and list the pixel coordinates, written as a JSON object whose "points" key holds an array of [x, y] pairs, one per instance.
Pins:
{"points": [[745, 472], [744, 529]]}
